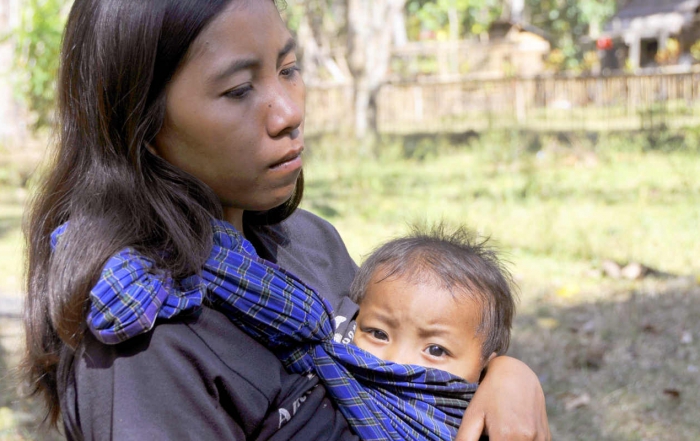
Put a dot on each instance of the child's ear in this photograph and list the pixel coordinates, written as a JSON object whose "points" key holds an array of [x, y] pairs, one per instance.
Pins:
{"points": [[486, 365]]}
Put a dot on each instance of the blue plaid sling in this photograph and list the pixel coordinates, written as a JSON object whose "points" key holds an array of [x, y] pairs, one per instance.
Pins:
{"points": [[381, 400]]}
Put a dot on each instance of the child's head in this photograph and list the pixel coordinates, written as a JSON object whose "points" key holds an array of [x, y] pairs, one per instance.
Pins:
{"points": [[435, 298]]}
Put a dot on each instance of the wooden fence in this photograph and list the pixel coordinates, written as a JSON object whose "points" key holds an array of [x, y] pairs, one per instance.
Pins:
{"points": [[608, 103]]}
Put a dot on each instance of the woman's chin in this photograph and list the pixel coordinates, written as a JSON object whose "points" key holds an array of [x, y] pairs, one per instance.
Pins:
{"points": [[275, 200]]}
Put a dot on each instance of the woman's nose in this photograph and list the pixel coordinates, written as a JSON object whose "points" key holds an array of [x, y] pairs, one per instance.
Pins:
{"points": [[285, 112]]}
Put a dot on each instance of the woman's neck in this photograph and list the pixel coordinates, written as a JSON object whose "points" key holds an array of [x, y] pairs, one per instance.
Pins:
{"points": [[234, 216]]}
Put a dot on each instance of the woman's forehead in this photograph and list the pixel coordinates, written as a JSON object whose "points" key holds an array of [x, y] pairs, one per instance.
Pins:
{"points": [[242, 26]]}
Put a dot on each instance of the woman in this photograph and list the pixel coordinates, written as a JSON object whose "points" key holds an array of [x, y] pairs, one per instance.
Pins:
{"points": [[172, 113]]}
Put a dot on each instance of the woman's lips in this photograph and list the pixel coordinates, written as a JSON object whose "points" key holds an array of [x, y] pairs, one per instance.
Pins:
{"points": [[290, 160]]}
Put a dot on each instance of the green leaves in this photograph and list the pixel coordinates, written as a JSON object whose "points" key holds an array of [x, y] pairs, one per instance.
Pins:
{"points": [[475, 16], [568, 23], [37, 47]]}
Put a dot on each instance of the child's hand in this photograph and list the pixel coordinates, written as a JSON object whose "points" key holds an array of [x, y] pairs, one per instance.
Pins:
{"points": [[508, 405]]}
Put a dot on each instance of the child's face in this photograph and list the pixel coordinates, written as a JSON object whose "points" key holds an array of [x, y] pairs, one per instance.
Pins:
{"points": [[421, 324]]}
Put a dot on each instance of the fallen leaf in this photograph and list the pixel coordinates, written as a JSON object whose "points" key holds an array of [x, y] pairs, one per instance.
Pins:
{"points": [[651, 329], [673, 393], [686, 337], [547, 322], [634, 271], [568, 291], [577, 401], [588, 327], [611, 269], [595, 357]]}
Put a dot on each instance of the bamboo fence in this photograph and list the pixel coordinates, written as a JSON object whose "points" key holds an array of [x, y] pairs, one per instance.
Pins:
{"points": [[593, 103]]}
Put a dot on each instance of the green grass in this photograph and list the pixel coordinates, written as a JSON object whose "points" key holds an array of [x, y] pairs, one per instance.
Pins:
{"points": [[672, 115], [575, 206]]}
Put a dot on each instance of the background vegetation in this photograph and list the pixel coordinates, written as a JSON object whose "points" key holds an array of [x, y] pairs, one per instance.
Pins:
{"points": [[37, 44]]}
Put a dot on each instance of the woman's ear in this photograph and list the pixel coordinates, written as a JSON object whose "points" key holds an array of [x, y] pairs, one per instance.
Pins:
{"points": [[491, 357], [151, 149]]}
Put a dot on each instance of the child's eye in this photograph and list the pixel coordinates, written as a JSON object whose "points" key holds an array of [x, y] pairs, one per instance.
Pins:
{"points": [[378, 334], [437, 351]]}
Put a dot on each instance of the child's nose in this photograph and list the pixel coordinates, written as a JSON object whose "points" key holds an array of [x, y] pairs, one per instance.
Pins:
{"points": [[402, 354]]}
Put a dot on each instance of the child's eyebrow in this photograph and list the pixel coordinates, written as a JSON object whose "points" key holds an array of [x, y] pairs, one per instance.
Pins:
{"points": [[436, 330], [432, 332], [385, 318]]}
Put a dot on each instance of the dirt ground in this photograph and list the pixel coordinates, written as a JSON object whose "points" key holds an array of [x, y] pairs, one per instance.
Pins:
{"points": [[625, 366]]}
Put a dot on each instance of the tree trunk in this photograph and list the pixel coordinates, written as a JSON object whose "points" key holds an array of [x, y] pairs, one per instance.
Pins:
{"points": [[314, 38], [370, 34]]}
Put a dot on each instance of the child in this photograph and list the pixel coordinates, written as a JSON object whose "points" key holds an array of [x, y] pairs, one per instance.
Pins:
{"points": [[436, 299]]}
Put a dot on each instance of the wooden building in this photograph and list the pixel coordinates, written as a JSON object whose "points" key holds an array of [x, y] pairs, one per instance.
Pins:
{"points": [[642, 29], [509, 49]]}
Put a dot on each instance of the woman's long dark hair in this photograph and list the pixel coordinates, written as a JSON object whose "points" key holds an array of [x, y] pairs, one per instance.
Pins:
{"points": [[116, 61]]}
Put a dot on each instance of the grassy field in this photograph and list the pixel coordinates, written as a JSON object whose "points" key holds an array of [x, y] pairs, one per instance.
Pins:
{"points": [[619, 359], [555, 205]]}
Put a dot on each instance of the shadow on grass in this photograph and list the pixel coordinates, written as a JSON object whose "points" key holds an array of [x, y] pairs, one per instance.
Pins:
{"points": [[620, 369]]}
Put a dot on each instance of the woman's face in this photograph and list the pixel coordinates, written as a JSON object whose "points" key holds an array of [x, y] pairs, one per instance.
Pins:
{"points": [[235, 110]]}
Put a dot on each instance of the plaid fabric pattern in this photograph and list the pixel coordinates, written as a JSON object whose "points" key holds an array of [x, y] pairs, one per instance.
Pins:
{"points": [[381, 400]]}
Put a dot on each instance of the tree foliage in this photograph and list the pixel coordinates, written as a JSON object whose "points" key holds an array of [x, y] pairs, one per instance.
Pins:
{"points": [[320, 29], [568, 23], [37, 48], [474, 16]]}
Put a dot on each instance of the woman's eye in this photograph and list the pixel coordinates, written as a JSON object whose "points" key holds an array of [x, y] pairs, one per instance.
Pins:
{"points": [[379, 335], [290, 72], [239, 92], [436, 351]]}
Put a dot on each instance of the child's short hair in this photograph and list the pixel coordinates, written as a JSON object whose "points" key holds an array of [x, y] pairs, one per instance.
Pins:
{"points": [[459, 262]]}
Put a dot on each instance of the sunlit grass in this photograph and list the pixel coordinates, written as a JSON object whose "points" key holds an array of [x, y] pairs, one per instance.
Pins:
{"points": [[555, 212]]}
